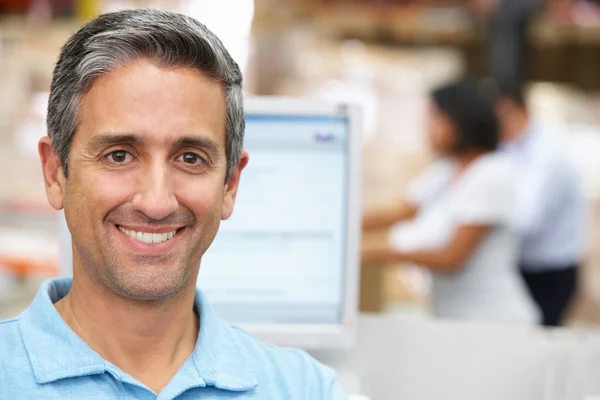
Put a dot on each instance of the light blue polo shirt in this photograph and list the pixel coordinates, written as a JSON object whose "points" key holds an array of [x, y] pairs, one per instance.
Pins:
{"points": [[42, 358]]}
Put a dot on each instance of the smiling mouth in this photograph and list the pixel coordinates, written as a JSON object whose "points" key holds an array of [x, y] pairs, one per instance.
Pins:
{"points": [[148, 237]]}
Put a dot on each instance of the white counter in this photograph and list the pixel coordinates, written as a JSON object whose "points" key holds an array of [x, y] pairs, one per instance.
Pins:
{"points": [[411, 358]]}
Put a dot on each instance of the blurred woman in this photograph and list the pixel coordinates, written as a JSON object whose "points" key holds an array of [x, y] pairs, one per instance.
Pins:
{"points": [[462, 216]]}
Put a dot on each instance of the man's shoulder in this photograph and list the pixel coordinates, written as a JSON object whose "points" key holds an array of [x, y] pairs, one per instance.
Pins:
{"points": [[9, 335], [289, 359], [11, 343], [7, 323], [291, 368], [549, 143], [15, 368], [550, 156]]}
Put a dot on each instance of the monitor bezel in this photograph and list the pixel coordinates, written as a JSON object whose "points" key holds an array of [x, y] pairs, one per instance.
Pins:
{"points": [[343, 334]]}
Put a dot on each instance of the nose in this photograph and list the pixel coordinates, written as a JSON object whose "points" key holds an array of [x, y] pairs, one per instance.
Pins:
{"points": [[155, 196]]}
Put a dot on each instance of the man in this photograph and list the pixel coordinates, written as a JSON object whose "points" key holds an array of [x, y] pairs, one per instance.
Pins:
{"points": [[551, 209], [144, 153]]}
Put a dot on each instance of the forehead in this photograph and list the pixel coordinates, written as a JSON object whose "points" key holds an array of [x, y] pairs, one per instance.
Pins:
{"points": [[155, 103]]}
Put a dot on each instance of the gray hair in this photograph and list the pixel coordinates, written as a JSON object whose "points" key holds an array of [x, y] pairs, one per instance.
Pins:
{"points": [[115, 39]]}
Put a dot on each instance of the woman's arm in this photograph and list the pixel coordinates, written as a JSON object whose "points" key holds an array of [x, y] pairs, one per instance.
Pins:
{"points": [[385, 218], [422, 189], [448, 259]]}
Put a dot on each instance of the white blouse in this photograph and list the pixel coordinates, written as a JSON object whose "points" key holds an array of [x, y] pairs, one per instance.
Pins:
{"points": [[488, 287]]}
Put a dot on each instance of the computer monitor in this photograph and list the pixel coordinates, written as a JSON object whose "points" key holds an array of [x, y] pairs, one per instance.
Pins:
{"points": [[285, 266]]}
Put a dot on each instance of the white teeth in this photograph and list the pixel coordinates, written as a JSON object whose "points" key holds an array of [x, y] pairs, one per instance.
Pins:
{"points": [[147, 237]]}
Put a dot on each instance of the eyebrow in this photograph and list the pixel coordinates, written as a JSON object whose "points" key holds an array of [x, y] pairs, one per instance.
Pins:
{"points": [[101, 141], [208, 145]]}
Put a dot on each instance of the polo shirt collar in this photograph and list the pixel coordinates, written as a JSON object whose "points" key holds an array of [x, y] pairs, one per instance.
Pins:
{"points": [[56, 352], [220, 358]]}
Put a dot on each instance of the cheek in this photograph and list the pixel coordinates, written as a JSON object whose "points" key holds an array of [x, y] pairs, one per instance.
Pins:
{"points": [[432, 134], [435, 134], [96, 193], [446, 137], [204, 201], [201, 196], [442, 136], [107, 190]]}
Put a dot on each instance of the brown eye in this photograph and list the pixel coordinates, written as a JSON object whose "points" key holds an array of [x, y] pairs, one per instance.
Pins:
{"points": [[191, 158], [119, 156]]}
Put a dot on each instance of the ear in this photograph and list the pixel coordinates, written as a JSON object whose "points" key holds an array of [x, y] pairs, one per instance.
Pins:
{"points": [[54, 179], [232, 186]]}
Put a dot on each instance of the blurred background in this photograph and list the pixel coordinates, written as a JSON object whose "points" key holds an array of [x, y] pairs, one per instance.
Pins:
{"points": [[385, 55]]}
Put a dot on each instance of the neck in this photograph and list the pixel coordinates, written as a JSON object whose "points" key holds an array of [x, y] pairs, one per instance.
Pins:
{"points": [[465, 158], [518, 126], [150, 340]]}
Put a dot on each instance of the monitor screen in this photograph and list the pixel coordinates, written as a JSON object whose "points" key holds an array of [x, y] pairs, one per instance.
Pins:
{"points": [[281, 257]]}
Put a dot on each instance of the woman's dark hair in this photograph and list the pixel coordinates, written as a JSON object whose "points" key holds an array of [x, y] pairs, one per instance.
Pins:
{"points": [[472, 114]]}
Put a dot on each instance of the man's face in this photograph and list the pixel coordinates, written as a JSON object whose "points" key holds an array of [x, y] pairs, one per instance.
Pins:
{"points": [[146, 188]]}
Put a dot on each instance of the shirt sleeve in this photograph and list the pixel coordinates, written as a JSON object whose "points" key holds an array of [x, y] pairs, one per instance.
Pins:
{"points": [[430, 183], [486, 195]]}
